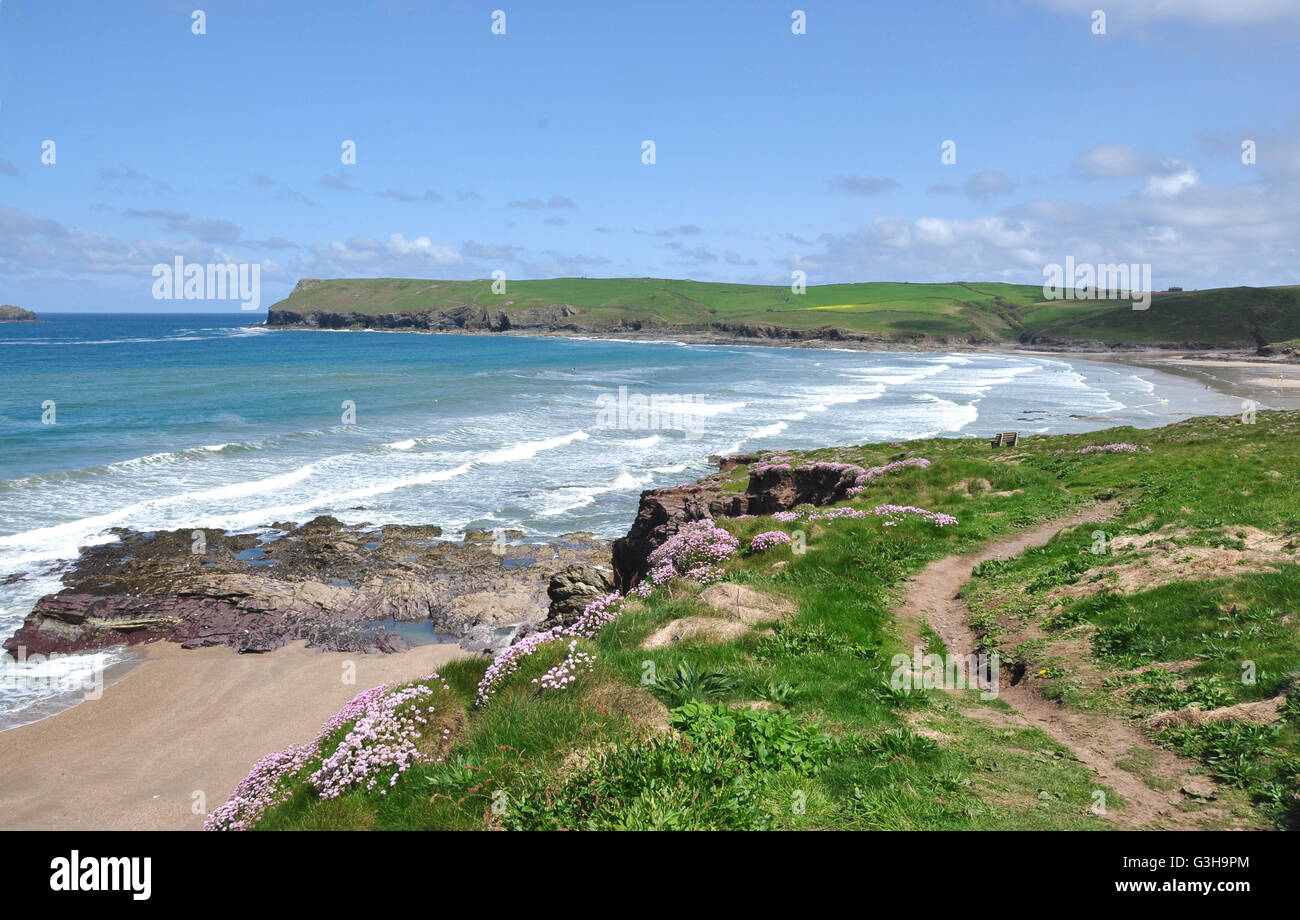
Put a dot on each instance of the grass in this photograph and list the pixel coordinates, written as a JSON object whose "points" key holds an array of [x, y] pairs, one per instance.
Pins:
{"points": [[835, 746], [1226, 637], [987, 312]]}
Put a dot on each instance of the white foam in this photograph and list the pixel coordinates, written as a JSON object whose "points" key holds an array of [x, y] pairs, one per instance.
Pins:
{"points": [[574, 497], [694, 408], [259, 516], [682, 466], [768, 431], [896, 376], [842, 397], [949, 416], [37, 687], [61, 541], [528, 449]]}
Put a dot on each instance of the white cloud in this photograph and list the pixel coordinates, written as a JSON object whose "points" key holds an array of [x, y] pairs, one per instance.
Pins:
{"points": [[1192, 233], [1173, 183], [1112, 161], [365, 255], [423, 246]]}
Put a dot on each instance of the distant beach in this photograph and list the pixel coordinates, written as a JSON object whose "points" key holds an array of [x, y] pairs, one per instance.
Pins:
{"points": [[1273, 383]]}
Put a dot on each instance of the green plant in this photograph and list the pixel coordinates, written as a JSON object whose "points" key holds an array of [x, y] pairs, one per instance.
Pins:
{"points": [[771, 740], [661, 784], [808, 640], [991, 567], [692, 683], [1164, 693], [1065, 572], [901, 742], [897, 697], [712, 774], [1129, 644], [1235, 751], [775, 690], [454, 773]]}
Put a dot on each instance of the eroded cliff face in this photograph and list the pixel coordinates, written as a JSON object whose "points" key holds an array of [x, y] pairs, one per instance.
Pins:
{"points": [[565, 318], [662, 512], [1040, 342], [466, 318]]}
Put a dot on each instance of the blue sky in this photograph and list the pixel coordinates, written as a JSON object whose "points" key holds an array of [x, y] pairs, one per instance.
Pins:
{"points": [[522, 152]]}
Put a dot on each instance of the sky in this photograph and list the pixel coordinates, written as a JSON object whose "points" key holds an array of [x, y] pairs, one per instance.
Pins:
{"points": [[523, 152]]}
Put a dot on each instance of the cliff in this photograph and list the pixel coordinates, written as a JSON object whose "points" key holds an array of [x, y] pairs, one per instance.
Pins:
{"points": [[768, 489], [867, 315]]}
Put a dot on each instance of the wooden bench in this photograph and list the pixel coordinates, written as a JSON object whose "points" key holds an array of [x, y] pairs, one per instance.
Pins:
{"points": [[1005, 439]]}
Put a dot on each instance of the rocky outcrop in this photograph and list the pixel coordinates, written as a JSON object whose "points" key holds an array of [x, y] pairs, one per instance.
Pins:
{"points": [[571, 589], [833, 334], [1040, 342], [659, 515], [11, 314], [704, 630], [464, 318], [338, 587], [739, 602], [663, 511], [567, 319]]}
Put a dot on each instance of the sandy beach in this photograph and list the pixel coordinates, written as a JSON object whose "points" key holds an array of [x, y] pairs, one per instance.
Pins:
{"points": [[180, 722], [1272, 383]]}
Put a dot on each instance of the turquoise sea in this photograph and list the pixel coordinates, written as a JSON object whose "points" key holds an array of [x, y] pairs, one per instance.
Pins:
{"points": [[165, 421]]}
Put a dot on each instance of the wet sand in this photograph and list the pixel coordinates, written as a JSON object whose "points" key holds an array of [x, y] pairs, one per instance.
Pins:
{"points": [[1273, 384], [180, 722]]}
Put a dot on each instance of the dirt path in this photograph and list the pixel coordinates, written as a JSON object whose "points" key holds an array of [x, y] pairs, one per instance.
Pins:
{"points": [[1099, 741]]}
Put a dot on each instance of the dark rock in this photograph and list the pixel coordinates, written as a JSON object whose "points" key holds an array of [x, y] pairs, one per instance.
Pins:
{"points": [[323, 581], [662, 512], [11, 314], [571, 589]]}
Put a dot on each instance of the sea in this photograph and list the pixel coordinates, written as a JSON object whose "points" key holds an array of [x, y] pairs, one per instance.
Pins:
{"points": [[154, 422]]}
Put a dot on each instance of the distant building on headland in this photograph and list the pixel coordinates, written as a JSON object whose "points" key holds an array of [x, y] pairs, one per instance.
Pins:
{"points": [[1174, 289]]}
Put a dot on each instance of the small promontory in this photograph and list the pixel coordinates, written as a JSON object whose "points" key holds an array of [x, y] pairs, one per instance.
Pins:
{"points": [[12, 314]]}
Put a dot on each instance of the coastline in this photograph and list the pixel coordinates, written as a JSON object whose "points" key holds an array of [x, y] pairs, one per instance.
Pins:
{"points": [[180, 722], [838, 339], [666, 335], [1272, 381], [184, 721]]}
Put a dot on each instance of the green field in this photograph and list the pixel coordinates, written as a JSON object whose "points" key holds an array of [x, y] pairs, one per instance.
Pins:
{"points": [[976, 313], [1189, 603]]}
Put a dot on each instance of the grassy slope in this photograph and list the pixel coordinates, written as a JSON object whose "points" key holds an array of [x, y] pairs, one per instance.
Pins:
{"points": [[1213, 476], [988, 312]]}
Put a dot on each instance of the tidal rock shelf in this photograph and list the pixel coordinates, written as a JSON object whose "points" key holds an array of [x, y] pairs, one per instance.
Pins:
{"points": [[322, 581]]}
